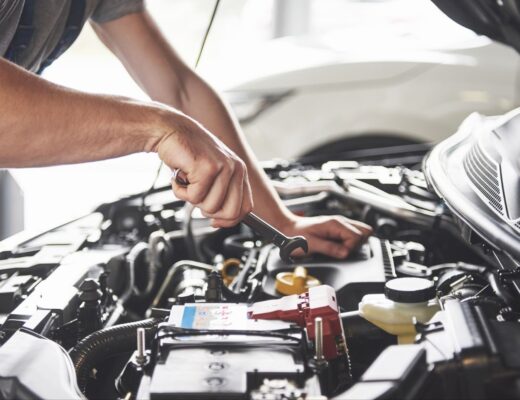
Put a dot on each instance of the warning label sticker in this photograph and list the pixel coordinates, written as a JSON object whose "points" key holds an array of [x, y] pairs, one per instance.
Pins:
{"points": [[211, 316]]}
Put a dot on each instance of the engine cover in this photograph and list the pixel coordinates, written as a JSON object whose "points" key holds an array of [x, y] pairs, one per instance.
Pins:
{"points": [[364, 272]]}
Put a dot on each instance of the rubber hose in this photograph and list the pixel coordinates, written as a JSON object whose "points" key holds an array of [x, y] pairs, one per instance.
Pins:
{"points": [[131, 262], [105, 342], [503, 292]]}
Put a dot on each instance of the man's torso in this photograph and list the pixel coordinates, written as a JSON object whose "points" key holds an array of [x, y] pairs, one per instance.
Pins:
{"points": [[49, 19]]}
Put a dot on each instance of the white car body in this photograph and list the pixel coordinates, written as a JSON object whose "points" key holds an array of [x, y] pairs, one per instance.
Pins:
{"points": [[388, 86]]}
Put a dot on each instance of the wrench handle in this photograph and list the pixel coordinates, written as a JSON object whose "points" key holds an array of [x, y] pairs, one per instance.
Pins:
{"points": [[267, 231]]}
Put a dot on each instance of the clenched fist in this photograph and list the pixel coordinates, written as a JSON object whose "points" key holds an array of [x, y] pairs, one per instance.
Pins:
{"points": [[218, 180]]}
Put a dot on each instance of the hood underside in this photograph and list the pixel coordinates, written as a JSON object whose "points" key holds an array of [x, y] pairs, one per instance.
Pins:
{"points": [[498, 20], [477, 173]]}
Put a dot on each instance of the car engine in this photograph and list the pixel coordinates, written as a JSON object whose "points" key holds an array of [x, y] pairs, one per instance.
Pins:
{"points": [[144, 299]]}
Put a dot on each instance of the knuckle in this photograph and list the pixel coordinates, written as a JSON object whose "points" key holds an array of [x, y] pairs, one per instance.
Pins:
{"points": [[230, 165], [196, 196], [209, 210], [235, 213], [213, 208], [206, 165], [241, 165], [204, 172], [331, 248], [341, 252], [338, 223], [231, 213], [220, 165], [212, 167]]}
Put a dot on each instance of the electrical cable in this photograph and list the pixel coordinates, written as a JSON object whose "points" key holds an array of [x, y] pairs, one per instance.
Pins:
{"points": [[197, 61], [98, 346]]}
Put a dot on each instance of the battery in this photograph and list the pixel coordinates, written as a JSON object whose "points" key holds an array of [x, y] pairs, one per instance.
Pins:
{"points": [[227, 364]]}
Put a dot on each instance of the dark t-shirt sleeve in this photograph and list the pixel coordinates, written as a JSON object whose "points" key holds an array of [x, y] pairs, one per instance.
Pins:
{"points": [[108, 10]]}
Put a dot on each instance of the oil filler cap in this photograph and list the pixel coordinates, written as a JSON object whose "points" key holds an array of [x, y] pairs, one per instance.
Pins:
{"points": [[409, 290], [296, 282]]}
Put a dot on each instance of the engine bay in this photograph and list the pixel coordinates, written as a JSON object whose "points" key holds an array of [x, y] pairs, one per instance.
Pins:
{"points": [[149, 301]]}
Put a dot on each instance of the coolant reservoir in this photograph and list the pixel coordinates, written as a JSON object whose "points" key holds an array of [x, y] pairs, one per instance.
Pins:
{"points": [[404, 300]]}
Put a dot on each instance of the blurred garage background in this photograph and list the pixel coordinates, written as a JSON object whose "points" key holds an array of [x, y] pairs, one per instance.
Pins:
{"points": [[305, 77]]}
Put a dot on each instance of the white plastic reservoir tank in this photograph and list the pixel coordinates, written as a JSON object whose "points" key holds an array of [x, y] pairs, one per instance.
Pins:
{"points": [[404, 300]]}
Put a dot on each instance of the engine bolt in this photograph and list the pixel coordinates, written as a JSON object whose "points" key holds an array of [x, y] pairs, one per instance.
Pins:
{"points": [[140, 358], [318, 336]]}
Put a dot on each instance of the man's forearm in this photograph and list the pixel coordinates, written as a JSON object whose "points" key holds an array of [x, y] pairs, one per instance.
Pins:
{"points": [[44, 124]]}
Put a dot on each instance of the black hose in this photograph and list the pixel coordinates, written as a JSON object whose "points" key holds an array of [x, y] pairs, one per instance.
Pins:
{"points": [[496, 302], [137, 251], [503, 292], [106, 342]]}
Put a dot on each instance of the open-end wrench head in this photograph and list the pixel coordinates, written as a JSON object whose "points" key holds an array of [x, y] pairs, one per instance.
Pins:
{"points": [[293, 243]]}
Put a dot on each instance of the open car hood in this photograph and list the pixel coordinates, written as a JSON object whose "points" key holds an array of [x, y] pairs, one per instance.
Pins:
{"points": [[498, 20], [477, 172]]}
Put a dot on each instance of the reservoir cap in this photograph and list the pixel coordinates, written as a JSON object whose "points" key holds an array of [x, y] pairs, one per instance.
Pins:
{"points": [[409, 290]]}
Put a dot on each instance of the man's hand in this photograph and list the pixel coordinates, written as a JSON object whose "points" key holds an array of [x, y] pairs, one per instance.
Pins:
{"points": [[218, 181], [334, 236]]}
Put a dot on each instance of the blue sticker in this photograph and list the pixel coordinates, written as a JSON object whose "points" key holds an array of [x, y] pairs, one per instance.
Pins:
{"points": [[188, 317]]}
